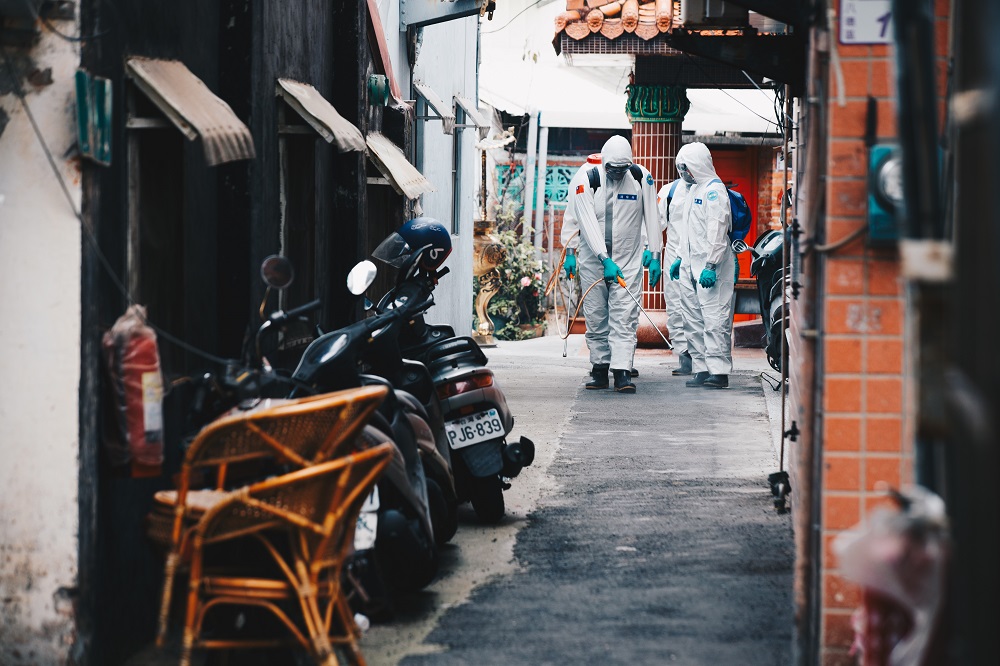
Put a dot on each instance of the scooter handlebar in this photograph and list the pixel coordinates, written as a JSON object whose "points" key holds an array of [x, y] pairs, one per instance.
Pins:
{"points": [[303, 309]]}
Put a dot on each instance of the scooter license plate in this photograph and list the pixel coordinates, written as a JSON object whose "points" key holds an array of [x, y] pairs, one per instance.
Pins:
{"points": [[367, 525], [474, 429]]}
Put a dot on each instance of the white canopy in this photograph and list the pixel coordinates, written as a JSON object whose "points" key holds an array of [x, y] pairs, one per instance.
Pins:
{"points": [[520, 72], [594, 97]]}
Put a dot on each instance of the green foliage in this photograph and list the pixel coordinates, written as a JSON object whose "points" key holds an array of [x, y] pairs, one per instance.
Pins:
{"points": [[519, 300]]}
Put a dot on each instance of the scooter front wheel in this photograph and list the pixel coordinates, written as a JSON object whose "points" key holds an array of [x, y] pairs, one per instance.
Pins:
{"points": [[486, 495]]}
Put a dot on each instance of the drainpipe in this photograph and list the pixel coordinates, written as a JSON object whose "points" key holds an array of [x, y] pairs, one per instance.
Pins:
{"points": [[543, 154], [529, 175], [810, 201], [923, 228]]}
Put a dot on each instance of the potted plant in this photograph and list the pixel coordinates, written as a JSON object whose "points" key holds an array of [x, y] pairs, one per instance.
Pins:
{"points": [[517, 309]]}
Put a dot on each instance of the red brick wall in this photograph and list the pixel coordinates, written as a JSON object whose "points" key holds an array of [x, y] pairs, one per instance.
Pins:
{"points": [[863, 375]]}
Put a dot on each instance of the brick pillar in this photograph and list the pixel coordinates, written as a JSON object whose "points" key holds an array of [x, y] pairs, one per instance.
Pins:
{"points": [[656, 113]]}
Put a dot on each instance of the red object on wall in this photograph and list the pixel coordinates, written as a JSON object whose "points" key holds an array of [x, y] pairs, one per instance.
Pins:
{"points": [[133, 363]]}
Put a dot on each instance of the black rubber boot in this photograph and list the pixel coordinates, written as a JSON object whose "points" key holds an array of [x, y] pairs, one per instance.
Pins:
{"points": [[599, 374], [717, 381], [633, 372], [698, 379], [685, 367], [623, 381]]}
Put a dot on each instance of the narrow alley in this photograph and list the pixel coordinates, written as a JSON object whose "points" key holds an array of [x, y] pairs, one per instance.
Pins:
{"points": [[645, 532]]}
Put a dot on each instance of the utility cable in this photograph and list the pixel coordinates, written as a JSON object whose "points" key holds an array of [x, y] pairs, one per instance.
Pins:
{"points": [[836, 245], [490, 32], [724, 91], [55, 31], [86, 231]]}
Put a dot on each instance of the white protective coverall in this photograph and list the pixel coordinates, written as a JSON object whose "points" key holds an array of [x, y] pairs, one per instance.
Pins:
{"points": [[671, 221], [614, 230], [704, 242], [569, 224]]}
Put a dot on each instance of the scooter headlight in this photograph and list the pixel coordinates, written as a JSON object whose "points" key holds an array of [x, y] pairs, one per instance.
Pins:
{"points": [[465, 385]]}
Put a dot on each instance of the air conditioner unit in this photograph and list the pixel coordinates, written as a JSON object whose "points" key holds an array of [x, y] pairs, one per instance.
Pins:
{"points": [[713, 13]]}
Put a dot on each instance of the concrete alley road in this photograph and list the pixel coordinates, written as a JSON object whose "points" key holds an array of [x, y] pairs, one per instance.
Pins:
{"points": [[644, 534]]}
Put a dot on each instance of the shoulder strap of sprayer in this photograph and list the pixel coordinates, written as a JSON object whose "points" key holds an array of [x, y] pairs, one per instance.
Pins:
{"points": [[595, 177], [670, 196]]}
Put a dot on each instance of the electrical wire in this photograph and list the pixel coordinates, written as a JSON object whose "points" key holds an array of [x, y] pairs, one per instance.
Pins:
{"points": [[86, 231], [836, 245], [707, 76], [55, 31], [774, 382], [490, 32]]}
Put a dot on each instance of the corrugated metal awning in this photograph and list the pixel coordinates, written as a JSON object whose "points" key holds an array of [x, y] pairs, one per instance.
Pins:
{"points": [[193, 108], [446, 113], [478, 119], [321, 115], [393, 164]]}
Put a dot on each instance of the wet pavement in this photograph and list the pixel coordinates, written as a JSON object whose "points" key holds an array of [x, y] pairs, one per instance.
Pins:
{"points": [[645, 532]]}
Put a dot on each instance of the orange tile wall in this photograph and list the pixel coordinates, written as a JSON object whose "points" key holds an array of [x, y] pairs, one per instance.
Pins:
{"points": [[864, 380]]}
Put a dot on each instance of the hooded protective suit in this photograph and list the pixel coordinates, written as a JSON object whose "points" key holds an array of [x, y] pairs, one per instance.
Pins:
{"points": [[671, 221], [569, 236], [704, 244], [612, 221]]}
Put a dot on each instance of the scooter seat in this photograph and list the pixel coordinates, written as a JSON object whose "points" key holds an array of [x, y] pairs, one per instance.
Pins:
{"points": [[453, 352], [411, 403]]}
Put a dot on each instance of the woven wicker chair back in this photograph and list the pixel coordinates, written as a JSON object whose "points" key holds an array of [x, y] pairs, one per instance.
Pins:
{"points": [[302, 432]]}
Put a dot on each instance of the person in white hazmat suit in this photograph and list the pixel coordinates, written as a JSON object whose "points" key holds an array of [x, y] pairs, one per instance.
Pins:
{"points": [[612, 217], [569, 235], [671, 200], [705, 269]]}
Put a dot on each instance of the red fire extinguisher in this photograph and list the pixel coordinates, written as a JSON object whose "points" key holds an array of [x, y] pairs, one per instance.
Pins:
{"points": [[133, 362]]}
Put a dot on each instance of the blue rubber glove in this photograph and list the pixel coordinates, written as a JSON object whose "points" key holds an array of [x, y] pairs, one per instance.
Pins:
{"points": [[655, 272], [647, 257], [611, 271], [569, 265], [675, 269], [736, 261], [707, 279]]}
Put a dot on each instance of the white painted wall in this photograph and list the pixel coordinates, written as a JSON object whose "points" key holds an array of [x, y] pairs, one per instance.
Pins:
{"points": [[447, 62], [40, 365]]}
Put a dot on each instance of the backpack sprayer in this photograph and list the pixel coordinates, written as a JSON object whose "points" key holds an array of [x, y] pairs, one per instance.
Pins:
{"points": [[621, 281]]}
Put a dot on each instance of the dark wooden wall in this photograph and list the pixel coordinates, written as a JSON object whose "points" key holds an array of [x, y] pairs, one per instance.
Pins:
{"points": [[230, 222]]}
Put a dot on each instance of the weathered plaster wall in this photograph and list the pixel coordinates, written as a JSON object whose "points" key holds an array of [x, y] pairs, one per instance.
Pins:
{"points": [[39, 359], [447, 62]]}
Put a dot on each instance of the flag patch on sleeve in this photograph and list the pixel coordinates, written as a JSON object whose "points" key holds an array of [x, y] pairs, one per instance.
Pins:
{"points": [[579, 189]]}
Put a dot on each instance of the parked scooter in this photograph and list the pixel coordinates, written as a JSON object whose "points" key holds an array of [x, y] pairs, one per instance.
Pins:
{"points": [[476, 418], [366, 353], [289, 357], [767, 267]]}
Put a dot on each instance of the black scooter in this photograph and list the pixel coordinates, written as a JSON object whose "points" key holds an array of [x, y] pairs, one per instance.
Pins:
{"points": [[407, 515], [476, 418], [418, 513], [768, 269]]}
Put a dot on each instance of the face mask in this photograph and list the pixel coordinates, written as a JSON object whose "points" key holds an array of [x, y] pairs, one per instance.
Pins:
{"points": [[615, 172], [682, 169]]}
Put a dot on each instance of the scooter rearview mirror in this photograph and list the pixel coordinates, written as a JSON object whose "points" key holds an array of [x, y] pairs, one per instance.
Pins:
{"points": [[739, 246], [277, 271], [361, 277]]}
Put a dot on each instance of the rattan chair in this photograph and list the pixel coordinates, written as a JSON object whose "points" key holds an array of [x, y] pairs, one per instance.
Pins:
{"points": [[298, 433], [316, 509]]}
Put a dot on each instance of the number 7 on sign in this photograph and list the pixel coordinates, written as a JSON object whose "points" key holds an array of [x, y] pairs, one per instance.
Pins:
{"points": [[885, 20]]}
